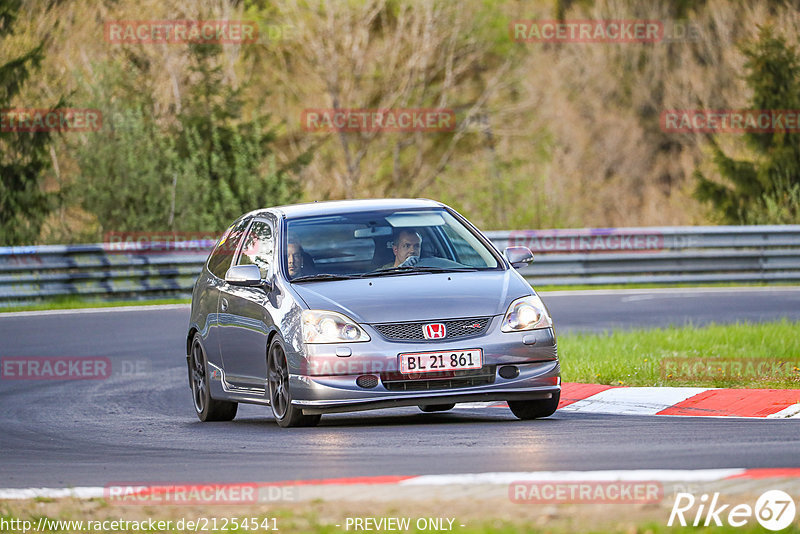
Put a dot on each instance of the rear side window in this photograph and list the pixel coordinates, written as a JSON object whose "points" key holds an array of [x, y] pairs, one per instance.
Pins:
{"points": [[221, 257], [258, 247], [332, 243]]}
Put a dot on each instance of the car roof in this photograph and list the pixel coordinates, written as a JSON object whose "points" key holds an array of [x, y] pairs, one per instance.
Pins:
{"points": [[337, 207]]}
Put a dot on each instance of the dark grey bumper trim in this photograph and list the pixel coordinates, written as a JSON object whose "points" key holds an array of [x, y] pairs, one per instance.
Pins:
{"points": [[443, 399]]}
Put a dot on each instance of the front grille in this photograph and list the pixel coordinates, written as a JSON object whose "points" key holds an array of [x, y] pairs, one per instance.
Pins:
{"points": [[439, 380], [455, 329]]}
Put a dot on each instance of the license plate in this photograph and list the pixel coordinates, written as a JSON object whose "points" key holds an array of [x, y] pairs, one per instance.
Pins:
{"points": [[449, 360]]}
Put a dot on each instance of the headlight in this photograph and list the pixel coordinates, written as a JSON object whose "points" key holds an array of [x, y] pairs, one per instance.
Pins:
{"points": [[321, 326], [526, 313]]}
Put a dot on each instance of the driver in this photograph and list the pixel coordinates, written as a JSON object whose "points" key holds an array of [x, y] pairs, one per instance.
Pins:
{"points": [[406, 247]]}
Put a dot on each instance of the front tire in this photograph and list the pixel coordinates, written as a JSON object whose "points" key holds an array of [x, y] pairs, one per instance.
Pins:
{"points": [[206, 408], [280, 394], [535, 409]]}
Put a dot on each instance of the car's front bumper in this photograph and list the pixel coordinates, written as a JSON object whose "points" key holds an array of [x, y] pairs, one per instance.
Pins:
{"points": [[323, 382]]}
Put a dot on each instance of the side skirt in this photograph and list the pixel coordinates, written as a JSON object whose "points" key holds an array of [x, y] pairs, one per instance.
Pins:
{"points": [[221, 389]]}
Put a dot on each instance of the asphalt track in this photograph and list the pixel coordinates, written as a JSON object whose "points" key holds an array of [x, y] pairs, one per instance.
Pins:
{"points": [[139, 426]]}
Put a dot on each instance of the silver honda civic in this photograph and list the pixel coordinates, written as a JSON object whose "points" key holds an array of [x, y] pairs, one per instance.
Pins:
{"points": [[355, 305]]}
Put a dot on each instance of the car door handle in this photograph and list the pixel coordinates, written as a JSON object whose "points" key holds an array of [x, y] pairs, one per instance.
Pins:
{"points": [[223, 304]]}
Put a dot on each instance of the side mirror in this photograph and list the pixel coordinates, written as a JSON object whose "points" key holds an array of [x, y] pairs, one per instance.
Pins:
{"points": [[244, 275], [518, 256]]}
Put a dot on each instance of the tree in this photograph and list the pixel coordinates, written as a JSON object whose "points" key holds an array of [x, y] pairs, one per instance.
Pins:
{"points": [[385, 54], [194, 169], [768, 186], [228, 162], [23, 155]]}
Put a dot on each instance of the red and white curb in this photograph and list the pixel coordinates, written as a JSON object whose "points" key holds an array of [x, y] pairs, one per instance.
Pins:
{"points": [[688, 401], [395, 487], [685, 401]]}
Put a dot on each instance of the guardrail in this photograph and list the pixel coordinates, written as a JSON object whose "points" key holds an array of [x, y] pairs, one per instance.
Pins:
{"points": [[663, 255]]}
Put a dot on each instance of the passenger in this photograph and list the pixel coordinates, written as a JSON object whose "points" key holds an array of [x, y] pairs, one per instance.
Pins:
{"points": [[406, 247]]}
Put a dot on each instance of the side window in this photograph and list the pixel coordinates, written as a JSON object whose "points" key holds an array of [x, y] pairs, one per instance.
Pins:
{"points": [[220, 260], [258, 247]]}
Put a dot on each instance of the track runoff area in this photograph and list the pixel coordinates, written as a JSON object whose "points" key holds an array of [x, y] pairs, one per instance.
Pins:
{"points": [[568, 500]]}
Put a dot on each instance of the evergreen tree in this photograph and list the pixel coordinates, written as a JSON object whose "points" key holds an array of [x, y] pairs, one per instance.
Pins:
{"points": [[126, 168], [23, 155], [226, 156], [766, 189], [191, 172]]}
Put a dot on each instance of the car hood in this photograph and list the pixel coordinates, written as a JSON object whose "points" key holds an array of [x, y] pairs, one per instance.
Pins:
{"points": [[418, 297]]}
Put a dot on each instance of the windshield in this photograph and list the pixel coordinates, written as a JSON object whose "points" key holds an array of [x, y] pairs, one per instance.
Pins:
{"points": [[382, 243]]}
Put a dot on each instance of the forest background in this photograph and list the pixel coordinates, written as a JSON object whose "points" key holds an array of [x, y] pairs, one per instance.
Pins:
{"points": [[549, 135]]}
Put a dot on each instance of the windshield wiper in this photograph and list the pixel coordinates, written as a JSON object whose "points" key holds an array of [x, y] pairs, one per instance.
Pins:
{"points": [[323, 276], [447, 269], [414, 270], [393, 270]]}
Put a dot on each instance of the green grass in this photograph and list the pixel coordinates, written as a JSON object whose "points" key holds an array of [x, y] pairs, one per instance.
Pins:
{"points": [[306, 519], [686, 356], [71, 303]]}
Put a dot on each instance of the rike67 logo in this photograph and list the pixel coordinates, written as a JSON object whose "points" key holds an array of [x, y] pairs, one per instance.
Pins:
{"points": [[774, 510]]}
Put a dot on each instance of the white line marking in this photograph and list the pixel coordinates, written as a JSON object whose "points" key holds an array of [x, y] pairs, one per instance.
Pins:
{"points": [[473, 405], [663, 290], [664, 475], [52, 493], [790, 412], [143, 307]]}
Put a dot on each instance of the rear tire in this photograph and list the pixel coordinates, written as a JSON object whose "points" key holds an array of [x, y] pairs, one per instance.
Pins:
{"points": [[206, 408], [535, 409], [430, 408], [280, 394]]}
